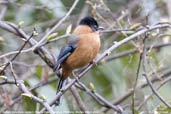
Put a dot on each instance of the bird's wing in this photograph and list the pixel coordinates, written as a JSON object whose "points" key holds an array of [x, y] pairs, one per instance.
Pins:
{"points": [[72, 40], [66, 51]]}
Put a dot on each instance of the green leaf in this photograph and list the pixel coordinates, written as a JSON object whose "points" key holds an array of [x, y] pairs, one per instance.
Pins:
{"points": [[20, 23], [2, 77], [43, 97], [29, 104], [91, 86], [39, 70], [49, 93], [135, 26], [35, 33], [163, 109], [27, 95], [68, 30], [136, 111], [52, 36], [1, 39]]}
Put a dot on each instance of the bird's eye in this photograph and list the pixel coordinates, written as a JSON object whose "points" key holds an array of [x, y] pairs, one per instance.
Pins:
{"points": [[96, 27]]}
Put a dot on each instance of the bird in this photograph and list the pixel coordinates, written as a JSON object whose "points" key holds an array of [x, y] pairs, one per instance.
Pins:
{"points": [[80, 49]]}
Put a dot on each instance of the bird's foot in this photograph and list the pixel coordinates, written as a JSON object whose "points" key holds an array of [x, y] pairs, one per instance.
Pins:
{"points": [[57, 102], [93, 62]]}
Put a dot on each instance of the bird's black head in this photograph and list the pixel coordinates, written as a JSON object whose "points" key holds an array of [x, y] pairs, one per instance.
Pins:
{"points": [[91, 22]]}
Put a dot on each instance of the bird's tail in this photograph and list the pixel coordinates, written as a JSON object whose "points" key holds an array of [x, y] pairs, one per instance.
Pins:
{"points": [[56, 66], [60, 84]]}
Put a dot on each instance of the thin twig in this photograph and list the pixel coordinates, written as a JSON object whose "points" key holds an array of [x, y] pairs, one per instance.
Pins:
{"points": [[148, 80], [118, 30], [14, 52], [137, 76], [42, 52], [22, 87], [55, 39], [99, 98], [163, 75], [149, 96], [14, 75], [44, 103], [79, 101], [19, 97], [57, 25], [133, 51], [3, 11], [22, 47], [135, 84]]}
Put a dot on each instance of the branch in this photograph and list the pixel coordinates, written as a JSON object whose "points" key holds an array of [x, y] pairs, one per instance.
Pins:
{"points": [[14, 52], [99, 98], [22, 47], [19, 97], [57, 25], [79, 101], [3, 11], [133, 51], [130, 92], [42, 52], [148, 80], [44, 103], [149, 96], [135, 84], [22, 87]]}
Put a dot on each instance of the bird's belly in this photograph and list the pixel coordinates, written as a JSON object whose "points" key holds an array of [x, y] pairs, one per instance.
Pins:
{"points": [[79, 61], [85, 52], [86, 55]]}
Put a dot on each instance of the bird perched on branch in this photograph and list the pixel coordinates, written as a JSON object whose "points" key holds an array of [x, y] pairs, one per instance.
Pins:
{"points": [[80, 49]]}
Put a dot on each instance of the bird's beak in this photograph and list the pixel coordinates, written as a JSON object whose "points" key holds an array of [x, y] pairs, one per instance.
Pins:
{"points": [[100, 28]]}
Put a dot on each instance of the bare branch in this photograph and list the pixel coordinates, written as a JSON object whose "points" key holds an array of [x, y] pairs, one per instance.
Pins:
{"points": [[42, 52], [99, 98], [22, 47], [133, 51], [148, 80], [44, 103], [19, 97], [79, 101], [163, 75], [57, 25], [149, 96]]}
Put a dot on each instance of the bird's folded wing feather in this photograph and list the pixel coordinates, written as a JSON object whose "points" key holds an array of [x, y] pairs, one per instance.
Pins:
{"points": [[66, 51]]}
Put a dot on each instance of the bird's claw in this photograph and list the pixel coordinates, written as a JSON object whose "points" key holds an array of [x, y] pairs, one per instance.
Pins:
{"points": [[108, 53], [93, 62]]}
